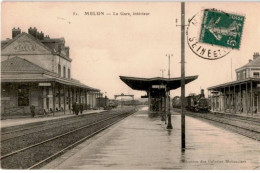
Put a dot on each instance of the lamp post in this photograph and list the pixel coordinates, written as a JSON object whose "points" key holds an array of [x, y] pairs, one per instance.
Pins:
{"points": [[161, 102], [169, 124]]}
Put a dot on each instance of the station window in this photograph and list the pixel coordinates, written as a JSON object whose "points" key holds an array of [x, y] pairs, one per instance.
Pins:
{"points": [[23, 95], [64, 71], [244, 75], [59, 69], [238, 76], [256, 74], [68, 73]]}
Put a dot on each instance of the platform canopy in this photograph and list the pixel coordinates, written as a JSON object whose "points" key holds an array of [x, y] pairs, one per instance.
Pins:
{"points": [[143, 84]]}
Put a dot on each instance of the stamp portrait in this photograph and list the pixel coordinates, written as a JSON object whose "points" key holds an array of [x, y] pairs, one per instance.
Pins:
{"points": [[222, 29]]}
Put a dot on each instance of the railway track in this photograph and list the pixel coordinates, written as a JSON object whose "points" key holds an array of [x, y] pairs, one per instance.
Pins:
{"points": [[14, 142], [249, 127], [27, 129], [34, 125], [45, 147], [241, 118]]}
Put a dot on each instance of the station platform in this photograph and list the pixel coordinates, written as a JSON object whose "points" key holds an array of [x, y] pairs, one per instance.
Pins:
{"points": [[26, 120], [255, 116], [142, 142]]}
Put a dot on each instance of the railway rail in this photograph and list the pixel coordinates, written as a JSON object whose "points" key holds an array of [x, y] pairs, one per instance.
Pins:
{"points": [[23, 127], [27, 129], [35, 150], [246, 126]]}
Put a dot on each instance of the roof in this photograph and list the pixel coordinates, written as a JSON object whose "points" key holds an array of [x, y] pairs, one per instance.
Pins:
{"points": [[234, 83], [144, 84], [21, 70], [53, 40], [5, 43], [19, 65], [253, 63]]}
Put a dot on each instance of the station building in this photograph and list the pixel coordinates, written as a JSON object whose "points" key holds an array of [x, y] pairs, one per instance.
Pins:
{"points": [[36, 71], [241, 96]]}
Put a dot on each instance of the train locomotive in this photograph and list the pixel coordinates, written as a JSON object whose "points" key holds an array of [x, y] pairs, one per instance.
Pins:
{"points": [[195, 103]]}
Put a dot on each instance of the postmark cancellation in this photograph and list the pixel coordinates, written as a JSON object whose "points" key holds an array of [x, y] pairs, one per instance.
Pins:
{"points": [[212, 34]]}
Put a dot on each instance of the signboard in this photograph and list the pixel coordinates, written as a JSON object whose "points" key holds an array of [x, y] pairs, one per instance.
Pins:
{"points": [[44, 84], [258, 85], [25, 47], [49, 96], [158, 86]]}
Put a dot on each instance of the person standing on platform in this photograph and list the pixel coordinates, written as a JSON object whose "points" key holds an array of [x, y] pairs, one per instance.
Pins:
{"points": [[77, 108], [32, 110], [81, 108], [74, 108]]}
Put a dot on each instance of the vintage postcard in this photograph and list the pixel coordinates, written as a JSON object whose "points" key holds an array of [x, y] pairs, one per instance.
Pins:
{"points": [[130, 85]]}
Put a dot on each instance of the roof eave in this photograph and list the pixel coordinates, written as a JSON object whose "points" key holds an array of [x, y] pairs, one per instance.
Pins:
{"points": [[234, 83]]}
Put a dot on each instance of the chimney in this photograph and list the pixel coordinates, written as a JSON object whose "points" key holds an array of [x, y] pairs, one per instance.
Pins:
{"points": [[37, 35], [41, 36], [202, 93], [16, 32], [256, 55], [61, 45], [32, 31], [249, 60], [67, 50]]}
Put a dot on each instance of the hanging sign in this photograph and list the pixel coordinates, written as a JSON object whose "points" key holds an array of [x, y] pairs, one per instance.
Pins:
{"points": [[158, 86]]}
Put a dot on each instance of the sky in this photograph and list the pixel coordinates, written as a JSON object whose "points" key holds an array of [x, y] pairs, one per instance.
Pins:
{"points": [[103, 47]]}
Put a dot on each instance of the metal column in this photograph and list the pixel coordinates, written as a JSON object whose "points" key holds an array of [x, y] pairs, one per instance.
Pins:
{"points": [[246, 100], [53, 97], [252, 99], [240, 99], [59, 96], [225, 101], [79, 95], [149, 100], [64, 99], [229, 99], [235, 100], [69, 96], [86, 99]]}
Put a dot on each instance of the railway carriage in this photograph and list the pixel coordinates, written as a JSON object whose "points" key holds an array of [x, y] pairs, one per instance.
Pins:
{"points": [[104, 102]]}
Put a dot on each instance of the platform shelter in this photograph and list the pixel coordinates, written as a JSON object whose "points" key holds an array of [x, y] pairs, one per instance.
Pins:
{"points": [[157, 89]]}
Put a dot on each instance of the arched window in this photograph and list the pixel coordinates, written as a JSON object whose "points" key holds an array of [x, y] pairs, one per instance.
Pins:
{"points": [[68, 73], [64, 71], [59, 69]]}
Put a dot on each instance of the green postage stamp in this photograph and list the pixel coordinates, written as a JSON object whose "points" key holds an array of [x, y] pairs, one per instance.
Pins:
{"points": [[222, 29]]}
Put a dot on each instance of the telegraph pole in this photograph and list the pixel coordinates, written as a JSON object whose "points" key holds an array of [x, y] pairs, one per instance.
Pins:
{"points": [[162, 70], [169, 124], [182, 75]]}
